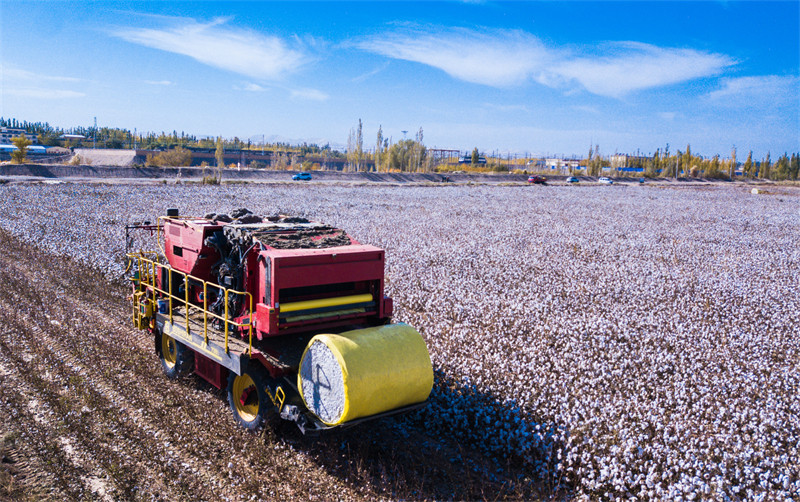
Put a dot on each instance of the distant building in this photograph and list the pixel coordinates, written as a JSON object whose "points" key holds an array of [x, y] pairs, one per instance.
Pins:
{"points": [[72, 136], [9, 133], [33, 149], [621, 161], [467, 159], [562, 164]]}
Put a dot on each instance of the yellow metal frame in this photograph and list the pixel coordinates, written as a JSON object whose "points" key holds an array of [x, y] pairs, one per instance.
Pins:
{"points": [[145, 279], [337, 301]]}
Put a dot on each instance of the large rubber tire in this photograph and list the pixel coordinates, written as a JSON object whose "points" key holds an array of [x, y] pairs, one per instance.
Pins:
{"points": [[177, 360], [248, 399]]}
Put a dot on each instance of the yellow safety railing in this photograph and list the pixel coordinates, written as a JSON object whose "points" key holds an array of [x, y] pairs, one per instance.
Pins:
{"points": [[147, 270]]}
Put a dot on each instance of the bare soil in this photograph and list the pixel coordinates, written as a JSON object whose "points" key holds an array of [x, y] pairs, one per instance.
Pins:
{"points": [[86, 413]]}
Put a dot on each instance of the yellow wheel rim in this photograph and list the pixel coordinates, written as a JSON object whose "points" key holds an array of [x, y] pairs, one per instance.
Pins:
{"points": [[169, 350], [245, 397]]}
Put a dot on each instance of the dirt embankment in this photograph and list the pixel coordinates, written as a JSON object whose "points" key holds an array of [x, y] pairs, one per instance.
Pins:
{"points": [[101, 172], [86, 413]]}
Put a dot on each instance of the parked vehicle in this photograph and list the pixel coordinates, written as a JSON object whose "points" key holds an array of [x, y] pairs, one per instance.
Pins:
{"points": [[302, 176], [606, 180], [539, 180], [572, 179]]}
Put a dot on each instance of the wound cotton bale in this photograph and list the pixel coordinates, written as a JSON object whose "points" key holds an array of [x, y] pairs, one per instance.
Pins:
{"points": [[364, 372]]}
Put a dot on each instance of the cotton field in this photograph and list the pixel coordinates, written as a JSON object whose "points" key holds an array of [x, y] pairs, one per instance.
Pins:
{"points": [[617, 341]]}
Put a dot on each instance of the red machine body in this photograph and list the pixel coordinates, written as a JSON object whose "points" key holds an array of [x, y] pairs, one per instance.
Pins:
{"points": [[285, 275], [184, 247]]}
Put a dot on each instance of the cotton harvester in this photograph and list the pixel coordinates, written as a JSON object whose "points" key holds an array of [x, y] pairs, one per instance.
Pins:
{"points": [[289, 314]]}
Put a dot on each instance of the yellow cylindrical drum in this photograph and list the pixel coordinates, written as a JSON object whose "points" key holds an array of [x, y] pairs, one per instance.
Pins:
{"points": [[364, 372]]}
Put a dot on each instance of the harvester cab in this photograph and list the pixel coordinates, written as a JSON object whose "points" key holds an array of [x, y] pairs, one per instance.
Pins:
{"points": [[288, 314]]}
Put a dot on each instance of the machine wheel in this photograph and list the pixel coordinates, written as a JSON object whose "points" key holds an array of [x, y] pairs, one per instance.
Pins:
{"points": [[248, 397], [177, 359]]}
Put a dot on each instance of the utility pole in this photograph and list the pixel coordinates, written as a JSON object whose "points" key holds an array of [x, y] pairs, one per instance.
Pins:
{"points": [[94, 136]]}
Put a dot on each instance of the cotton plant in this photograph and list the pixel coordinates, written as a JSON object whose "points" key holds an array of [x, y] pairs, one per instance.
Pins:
{"points": [[633, 342]]}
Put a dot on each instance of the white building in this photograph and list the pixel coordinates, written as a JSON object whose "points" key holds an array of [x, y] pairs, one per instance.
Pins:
{"points": [[9, 133], [562, 164]]}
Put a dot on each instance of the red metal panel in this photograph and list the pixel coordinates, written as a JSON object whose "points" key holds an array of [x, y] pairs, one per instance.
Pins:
{"points": [[310, 267], [185, 248], [213, 373]]}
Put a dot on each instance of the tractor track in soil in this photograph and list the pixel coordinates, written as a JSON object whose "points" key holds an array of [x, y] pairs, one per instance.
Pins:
{"points": [[86, 413]]}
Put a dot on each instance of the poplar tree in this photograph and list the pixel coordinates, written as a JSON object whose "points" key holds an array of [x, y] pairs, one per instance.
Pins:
{"points": [[749, 169], [781, 171], [688, 160], [418, 151], [359, 147], [351, 149], [766, 167], [378, 148], [220, 152], [713, 168], [794, 166], [732, 170]]}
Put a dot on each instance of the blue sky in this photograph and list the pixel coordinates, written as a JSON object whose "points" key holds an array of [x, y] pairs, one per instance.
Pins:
{"points": [[524, 77]]}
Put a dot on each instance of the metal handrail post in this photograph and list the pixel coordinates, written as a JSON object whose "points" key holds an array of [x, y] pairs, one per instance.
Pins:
{"points": [[205, 311], [226, 321], [250, 324], [186, 298]]}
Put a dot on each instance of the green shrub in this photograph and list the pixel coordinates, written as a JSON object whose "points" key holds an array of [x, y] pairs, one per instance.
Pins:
{"points": [[171, 158]]}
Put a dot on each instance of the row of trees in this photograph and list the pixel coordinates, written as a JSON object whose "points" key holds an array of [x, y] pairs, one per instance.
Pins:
{"points": [[665, 164], [111, 137], [406, 155]]}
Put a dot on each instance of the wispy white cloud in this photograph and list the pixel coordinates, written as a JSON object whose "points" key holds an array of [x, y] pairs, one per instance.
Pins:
{"points": [[503, 58], [496, 58], [159, 82], [624, 67], [241, 51], [31, 85], [747, 91], [364, 76], [40, 93], [669, 116], [14, 73], [309, 94], [506, 108], [250, 87]]}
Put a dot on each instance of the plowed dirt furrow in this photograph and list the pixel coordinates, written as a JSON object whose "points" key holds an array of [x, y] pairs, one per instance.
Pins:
{"points": [[122, 410], [70, 450], [31, 470], [120, 429], [107, 421]]}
